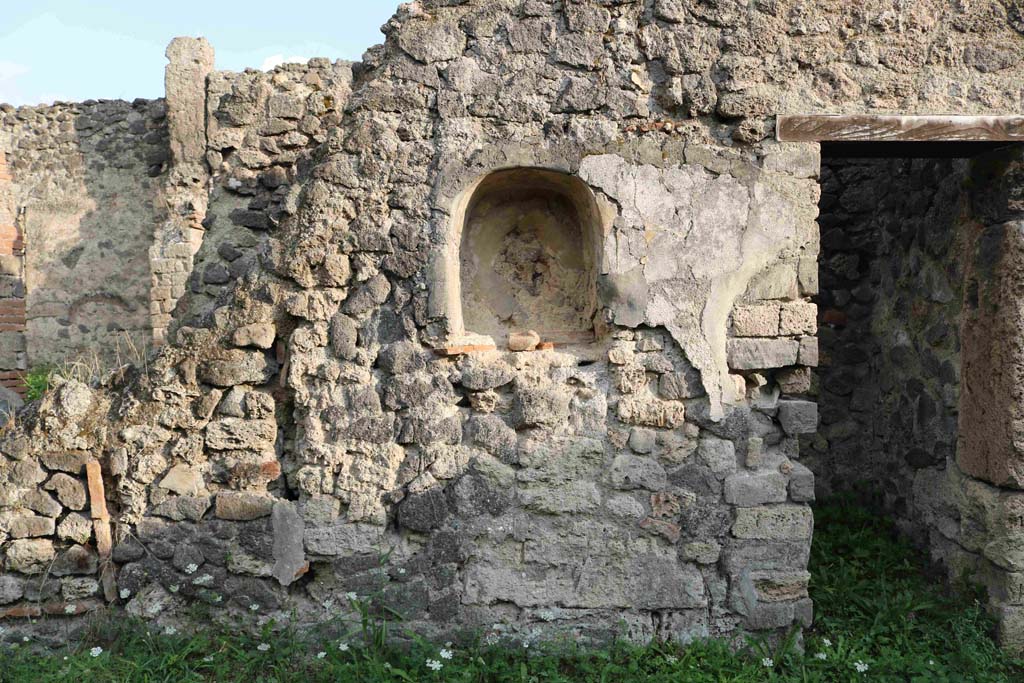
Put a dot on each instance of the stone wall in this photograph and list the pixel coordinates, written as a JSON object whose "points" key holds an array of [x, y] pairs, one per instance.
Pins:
{"points": [[321, 404], [894, 235], [13, 360], [85, 182]]}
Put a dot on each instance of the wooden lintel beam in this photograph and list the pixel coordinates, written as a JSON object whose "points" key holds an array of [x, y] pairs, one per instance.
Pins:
{"points": [[887, 128]]}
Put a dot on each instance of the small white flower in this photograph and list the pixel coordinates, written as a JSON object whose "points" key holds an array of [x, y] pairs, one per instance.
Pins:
{"points": [[860, 666], [826, 642], [434, 665], [175, 588], [208, 658], [931, 662], [96, 651], [401, 570], [328, 604], [821, 655], [254, 607], [343, 647], [125, 593], [70, 609], [445, 654], [263, 647], [321, 655], [170, 631], [526, 643], [768, 662], [671, 659], [351, 595], [24, 639], [192, 568]]}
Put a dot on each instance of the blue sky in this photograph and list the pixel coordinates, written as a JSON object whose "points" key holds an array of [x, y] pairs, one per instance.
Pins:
{"points": [[86, 49]]}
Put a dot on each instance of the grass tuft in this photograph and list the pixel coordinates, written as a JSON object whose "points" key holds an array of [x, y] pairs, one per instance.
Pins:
{"points": [[37, 381]]}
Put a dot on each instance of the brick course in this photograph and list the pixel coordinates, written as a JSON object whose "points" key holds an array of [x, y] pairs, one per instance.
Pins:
{"points": [[12, 308]]}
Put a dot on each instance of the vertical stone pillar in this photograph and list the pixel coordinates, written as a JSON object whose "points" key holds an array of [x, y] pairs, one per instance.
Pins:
{"points": [[186, 186], [990, 449], [13, 357]]}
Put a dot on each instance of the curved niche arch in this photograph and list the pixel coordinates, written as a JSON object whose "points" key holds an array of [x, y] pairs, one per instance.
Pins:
{"points": [[529, 251]]}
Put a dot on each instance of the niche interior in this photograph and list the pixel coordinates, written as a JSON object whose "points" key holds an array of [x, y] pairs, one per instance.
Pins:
{"points": [[528, 257]]}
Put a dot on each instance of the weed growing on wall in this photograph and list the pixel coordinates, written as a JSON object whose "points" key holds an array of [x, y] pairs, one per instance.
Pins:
{"points": [[37, 381]]}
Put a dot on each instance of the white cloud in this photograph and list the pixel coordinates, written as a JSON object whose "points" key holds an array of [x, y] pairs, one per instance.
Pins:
{"points": [[9, 74], [277, 60]]}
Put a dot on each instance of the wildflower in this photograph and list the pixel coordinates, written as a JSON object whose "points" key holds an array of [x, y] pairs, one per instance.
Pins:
{"points": [[434, 665], [321, 655], [860, 666], [826, 642], [328, 604], [96, 651], [671, 659], [192, 568], [821, 655], [445, 654], [125, 593], [254, 607], [170, 631], [24, 639], [343, 647], [70, 609], [401, 570], [351, 595], [208, 658], [263, 647], [768, 662]]}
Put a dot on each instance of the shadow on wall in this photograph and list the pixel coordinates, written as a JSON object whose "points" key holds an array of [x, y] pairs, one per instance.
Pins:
{"points": [[87, 181], [894, 233]]}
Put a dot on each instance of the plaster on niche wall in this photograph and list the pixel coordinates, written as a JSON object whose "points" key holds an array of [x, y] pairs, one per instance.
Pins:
{"points": [[688, 242], [528, 254]]}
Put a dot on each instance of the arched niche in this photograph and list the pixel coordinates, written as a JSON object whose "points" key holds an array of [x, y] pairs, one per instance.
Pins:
{"points": [[528, 246]]}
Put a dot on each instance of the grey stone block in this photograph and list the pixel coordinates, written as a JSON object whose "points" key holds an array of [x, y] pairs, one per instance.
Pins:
{"points": [[758, 354], [798, 417], [749, 489]]}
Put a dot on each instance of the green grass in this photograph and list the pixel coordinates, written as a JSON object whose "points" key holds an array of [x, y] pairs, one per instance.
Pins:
{"points": [[875, 607], [37, 380]]}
